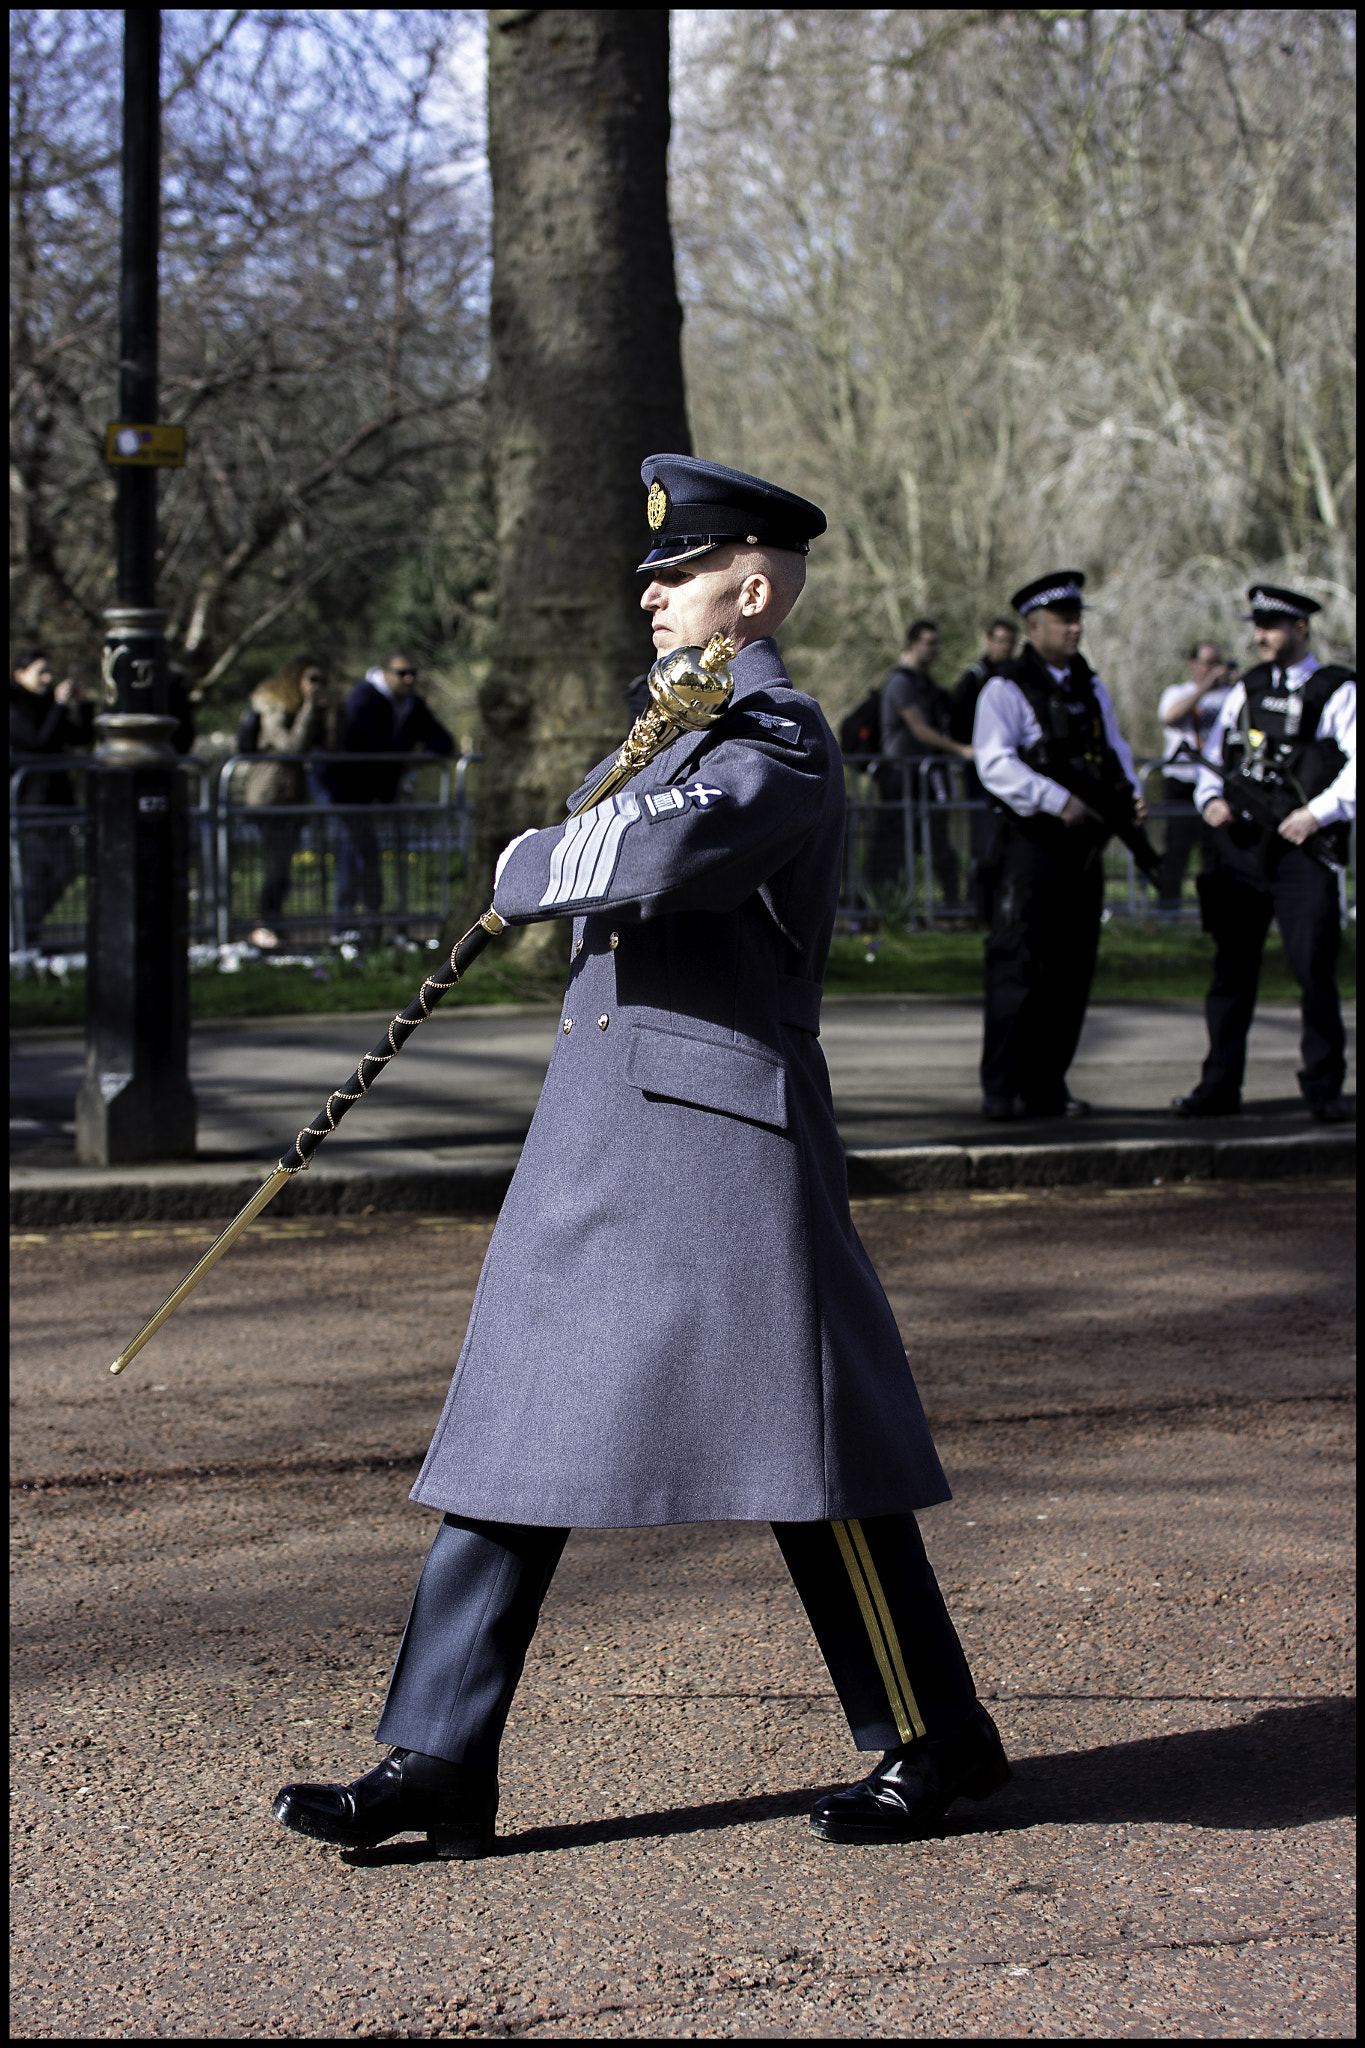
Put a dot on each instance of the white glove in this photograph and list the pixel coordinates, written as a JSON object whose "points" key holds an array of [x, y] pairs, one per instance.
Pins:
{"points": [[507, 853]]}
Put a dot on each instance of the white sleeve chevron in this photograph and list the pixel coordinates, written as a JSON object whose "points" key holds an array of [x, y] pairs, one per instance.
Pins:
{"points": [[583, 863]]}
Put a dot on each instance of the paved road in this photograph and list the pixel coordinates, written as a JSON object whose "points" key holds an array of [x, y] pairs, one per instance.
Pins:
{"points": [[1140, 1399], [902, 1074]]}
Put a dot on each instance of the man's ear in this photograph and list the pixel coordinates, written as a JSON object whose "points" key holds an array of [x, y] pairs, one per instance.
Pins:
{"points": [[755, 595]]}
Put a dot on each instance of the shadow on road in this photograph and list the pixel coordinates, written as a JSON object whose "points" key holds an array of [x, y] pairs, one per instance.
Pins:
{"points": [[1287, 1766]]}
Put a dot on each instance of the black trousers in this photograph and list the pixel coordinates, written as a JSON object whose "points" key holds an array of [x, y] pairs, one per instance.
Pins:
{"points": [[868, 1588], [1239, 898], [279, 837], [1040, 962], [1184, 831]]}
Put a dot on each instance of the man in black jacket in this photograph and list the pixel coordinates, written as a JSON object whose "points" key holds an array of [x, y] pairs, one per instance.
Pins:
{"points": [[384, 715], [985, 837], [46, 719]]}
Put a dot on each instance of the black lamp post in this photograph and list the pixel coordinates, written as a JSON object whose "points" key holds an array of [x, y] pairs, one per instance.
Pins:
{"points": [[135, 1101]]}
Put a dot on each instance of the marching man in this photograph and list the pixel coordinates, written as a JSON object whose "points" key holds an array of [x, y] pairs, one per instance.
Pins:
{"points": [[752, 1369]]}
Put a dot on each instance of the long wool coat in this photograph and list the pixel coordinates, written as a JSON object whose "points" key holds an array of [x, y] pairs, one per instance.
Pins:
{"points": [[676, 1320]]}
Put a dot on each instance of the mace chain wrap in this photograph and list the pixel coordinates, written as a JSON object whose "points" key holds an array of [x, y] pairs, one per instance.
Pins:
{"points": [[690, 688]]}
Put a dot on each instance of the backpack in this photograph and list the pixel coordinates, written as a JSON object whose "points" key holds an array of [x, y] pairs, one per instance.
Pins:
{"points": [[861, 731]]}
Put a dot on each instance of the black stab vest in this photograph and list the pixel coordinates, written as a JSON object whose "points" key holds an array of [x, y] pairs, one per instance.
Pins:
{"points": [[1275, 741], [1072, 726]]}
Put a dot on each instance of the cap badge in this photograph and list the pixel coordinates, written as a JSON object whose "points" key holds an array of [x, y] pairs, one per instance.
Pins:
{"points": [[656, 506]]}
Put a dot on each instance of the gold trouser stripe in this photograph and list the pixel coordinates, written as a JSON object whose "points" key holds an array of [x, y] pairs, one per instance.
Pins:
{"points": [[892, 1639], [873, 1627]]}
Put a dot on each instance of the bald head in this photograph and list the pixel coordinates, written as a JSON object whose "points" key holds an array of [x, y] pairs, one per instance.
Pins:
{"points": [[743, 591]]}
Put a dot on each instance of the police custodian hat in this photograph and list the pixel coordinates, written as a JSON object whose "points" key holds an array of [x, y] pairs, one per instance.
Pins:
{"points": [[1271, 606], [694, 506], [1059, 590]]}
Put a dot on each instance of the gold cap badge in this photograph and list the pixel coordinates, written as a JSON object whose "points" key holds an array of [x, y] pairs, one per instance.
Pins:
{"points": [[656, 506]]}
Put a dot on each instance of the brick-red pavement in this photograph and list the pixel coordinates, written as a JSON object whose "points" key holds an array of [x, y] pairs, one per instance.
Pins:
{"points": [[1142, 1402]]}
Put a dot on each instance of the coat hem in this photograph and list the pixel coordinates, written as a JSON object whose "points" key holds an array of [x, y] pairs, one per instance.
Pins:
{"points": [[678, 1514]]}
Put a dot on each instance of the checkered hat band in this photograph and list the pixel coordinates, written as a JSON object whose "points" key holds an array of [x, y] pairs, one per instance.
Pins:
{"points": [[1261, 601], [1063, 593]]}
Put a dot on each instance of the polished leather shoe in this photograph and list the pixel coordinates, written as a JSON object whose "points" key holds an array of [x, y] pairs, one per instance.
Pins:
{"points": [[1067, 1105], [1195, 1104], [1334, 1112], [912, 1788], [451, 1804], [998, 1109]]}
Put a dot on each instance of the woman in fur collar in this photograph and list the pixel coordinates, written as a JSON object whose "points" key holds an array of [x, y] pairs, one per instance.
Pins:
{"points": [[286, 716]]}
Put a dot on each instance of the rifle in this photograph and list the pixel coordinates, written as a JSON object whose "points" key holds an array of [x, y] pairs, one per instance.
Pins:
{"points": [[1266, 804], [1112, 805], [689, 690]]}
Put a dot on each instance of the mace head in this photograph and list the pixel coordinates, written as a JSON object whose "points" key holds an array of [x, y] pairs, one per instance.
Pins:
{"points": [[693, 686]]}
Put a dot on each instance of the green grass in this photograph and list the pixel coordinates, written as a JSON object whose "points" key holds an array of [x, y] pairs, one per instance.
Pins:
{"points": [[1138, 962], [384, 980]]}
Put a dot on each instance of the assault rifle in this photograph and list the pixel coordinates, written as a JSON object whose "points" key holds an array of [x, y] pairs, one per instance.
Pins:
{"points": [[1266, 804], [1112, 804]]}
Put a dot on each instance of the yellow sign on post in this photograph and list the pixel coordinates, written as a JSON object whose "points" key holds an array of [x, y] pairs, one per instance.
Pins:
{"points": [[158, 447]]}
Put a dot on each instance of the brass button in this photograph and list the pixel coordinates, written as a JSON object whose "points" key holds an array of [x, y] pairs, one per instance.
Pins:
{"points": [[568, 1023], [577, 948], [603, 1022], [614, 941]]}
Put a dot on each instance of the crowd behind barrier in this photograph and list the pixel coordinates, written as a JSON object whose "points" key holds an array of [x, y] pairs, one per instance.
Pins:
{"points": [[921, 857]]}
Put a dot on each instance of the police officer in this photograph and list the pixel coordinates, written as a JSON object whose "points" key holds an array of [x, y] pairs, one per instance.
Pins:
{"points": [[1043, 717], [676, 1321], [1290, 724]]}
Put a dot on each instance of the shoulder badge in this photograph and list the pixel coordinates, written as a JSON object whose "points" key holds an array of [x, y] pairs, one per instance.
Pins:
{"points": [[656, 506]]}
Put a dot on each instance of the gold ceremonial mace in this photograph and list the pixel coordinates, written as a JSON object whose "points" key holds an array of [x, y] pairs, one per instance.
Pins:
{"points": [[689, 690]]}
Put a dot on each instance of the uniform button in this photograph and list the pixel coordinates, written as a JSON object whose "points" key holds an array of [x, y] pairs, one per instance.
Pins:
{"points": [[568, 1023], [614, 941], [577, 948], [603, 1022]]}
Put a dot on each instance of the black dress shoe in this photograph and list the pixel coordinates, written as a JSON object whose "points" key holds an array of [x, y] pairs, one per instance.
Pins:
{"points": [[912, 1788], [998, 1109], [1334, 1112], [452, 1805], [1198, 1104], [1060, 1105]]}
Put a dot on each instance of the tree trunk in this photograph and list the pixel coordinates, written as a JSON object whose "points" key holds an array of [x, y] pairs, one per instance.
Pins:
{"points": [[585, 380]]}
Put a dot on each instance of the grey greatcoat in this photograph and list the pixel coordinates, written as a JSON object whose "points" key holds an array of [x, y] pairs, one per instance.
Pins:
{"points": [[676, 1320]]}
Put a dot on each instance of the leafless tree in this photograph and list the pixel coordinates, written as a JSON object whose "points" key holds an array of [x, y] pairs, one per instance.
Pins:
{"points": [[323, 281], [1002, 289]]}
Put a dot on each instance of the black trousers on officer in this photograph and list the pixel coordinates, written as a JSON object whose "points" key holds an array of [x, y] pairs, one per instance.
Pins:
{"points": [[1040, 962], [1185, 830], [868, 1588], [1239, 898]]}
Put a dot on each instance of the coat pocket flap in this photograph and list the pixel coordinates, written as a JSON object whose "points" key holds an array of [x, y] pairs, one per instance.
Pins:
{"points": [[798, 1003], [698, 1071]]}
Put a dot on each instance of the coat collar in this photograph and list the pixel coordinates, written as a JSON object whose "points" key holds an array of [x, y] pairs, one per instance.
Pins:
{"points": [[758, 666]]}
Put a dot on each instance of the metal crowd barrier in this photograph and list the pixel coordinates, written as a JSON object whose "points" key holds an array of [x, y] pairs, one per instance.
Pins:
{"points": [[400, 858], [915, 838], [913, 842]]}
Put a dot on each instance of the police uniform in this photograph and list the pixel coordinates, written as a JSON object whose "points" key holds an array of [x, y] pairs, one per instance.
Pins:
{"points": [[676, 1320], [1040, 955], [1291, 727]]}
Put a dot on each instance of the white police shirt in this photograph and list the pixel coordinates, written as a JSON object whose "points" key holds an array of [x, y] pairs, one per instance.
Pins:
{"points": [[1335, 805], [1005, 724]]}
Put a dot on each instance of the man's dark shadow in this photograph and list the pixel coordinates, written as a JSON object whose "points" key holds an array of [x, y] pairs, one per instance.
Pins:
{"points": [[1287, 1766]]}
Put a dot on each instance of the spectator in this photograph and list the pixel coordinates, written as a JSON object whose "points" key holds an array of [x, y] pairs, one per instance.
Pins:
{"points": [[285, 717], [180, 707], [384, 715], [916, 715], [44, 720], [985, 825], [1188, 712]]}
